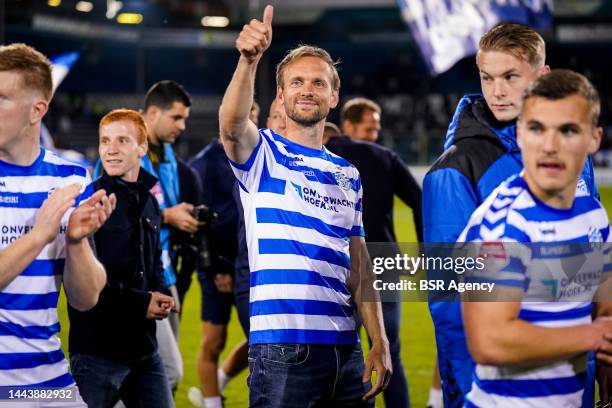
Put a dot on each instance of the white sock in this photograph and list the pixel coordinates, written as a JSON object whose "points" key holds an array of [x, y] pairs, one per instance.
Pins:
{"points": [[435, 398], [213, 402], [222, 379]]}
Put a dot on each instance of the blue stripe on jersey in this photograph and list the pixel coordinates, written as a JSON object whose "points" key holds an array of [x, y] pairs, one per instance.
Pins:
{"points": [[542, 387], [473, 233], [43, 169], [296, 219], [581, 205], [357, 231], [311, 173], [22, 200], [28, 332], [544, 316], [35, 200], [303, 336], [469, 404], [269, 184], [88, 192], [287, 246], [19, 301], [44, 267], [560, 250], [62, 381], [300, 307], [307, 151], [607, 267], [11, 361], [296, 277]]}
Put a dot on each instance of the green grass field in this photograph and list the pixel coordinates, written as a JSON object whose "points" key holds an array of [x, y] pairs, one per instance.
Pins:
{"points": [[418, 344]]}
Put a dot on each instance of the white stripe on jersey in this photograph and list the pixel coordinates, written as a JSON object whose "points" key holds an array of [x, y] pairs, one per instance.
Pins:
{"points": [[301, 322], [482, 399], [12, 344], [34, 284], [26, 376], [38, 317], [304, 292]]}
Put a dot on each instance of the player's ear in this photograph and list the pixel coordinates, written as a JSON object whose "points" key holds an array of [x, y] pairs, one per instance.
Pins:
{"points": [[595, 140], [279, 95], [544, 70], [335, 98], [143, 148], [38, 111]]}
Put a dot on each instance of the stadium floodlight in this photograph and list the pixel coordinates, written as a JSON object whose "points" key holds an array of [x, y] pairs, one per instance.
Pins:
{"points": [[112, 8], [129, 18], [54, 3], [215, 21], [84, 6]]}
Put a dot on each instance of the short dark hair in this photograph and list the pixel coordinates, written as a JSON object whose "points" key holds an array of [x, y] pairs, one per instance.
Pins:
{"points": [[516, 39], [354, 108], [561, 83], [164, 93]]}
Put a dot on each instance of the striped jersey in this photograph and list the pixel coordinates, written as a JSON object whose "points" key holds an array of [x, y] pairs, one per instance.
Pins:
{"points": [[301, 207], [542, 255], [30, 352]]}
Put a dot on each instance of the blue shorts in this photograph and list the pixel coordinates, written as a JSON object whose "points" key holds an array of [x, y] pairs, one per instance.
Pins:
{"points": [[216, 306]]}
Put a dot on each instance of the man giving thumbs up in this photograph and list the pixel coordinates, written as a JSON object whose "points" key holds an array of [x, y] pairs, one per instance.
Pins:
{"points": [[307, 255]]}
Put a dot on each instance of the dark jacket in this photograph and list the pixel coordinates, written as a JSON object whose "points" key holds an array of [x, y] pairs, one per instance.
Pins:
{"points": [[383, 175], [128, 246]]}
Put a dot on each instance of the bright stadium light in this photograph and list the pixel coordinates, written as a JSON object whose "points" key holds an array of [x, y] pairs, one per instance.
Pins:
{"points": [[215, 21], [54, 3], [112, 8], [129, 18], [84, 6]]}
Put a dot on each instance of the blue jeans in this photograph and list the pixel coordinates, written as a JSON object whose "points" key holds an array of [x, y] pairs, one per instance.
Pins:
{"points": [[301, 376], [102, 382]]}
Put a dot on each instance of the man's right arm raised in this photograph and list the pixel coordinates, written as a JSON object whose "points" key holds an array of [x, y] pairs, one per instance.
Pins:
{"points": [[15, 258], [238, 134]]}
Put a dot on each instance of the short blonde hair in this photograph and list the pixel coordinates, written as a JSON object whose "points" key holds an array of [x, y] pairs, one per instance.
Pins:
{"points": [[130, 116], [517, 40], [33, 66], [308, 51]]}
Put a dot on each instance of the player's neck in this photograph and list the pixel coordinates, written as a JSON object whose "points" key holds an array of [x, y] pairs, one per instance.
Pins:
{"points": [[309, 136], [23, 151], [563, 199]]}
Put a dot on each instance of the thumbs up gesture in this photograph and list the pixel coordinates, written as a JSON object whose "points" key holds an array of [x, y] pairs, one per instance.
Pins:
{"points": [[255, 37]]}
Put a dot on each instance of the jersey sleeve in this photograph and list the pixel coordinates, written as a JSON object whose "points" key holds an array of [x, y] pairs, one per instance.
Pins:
{"points": [[249, 173], [88, 189]]}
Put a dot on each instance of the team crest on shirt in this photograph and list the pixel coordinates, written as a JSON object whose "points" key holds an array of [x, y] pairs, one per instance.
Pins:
{"points": [[582, 186], [342, 179], [595, 235]]}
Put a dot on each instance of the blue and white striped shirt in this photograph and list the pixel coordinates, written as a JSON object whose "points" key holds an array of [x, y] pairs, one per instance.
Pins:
{"points": [[513, 215], [301, 207], [30, 352]]}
